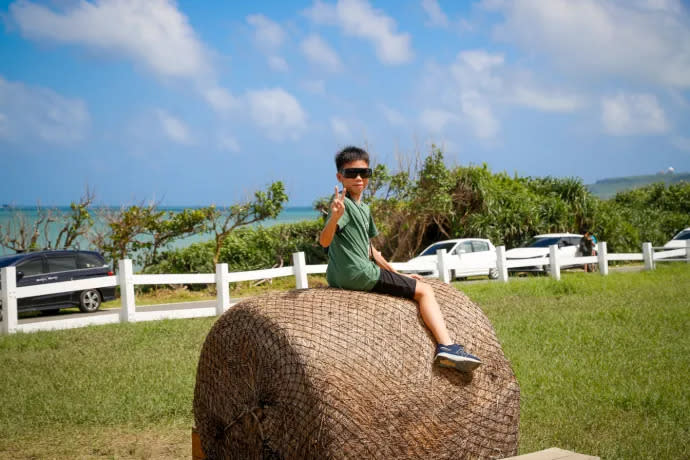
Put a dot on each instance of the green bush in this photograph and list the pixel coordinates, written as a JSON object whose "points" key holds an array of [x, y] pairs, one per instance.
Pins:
{"points": [[249, 248]]}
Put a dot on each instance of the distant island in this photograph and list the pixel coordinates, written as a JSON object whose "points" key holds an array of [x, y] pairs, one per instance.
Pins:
{"points": [[607, 188]]}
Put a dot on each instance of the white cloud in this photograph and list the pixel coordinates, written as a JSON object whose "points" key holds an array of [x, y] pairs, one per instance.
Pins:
{"points": [[340, 128], [391, 115], [228, 143], [631, 114], [277, 63], [278, 112], [436, 16], [320, 53], [267, 33], [478, 111], [545, 101], [152, 33], [644, 40], [173, 128], [436, 120], [358, 19], [219, 98], [481, 86], [33, 113], [314, 86]]}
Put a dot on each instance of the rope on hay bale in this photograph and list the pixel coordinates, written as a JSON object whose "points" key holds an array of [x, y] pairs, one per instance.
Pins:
{"points": [[329, 373]]}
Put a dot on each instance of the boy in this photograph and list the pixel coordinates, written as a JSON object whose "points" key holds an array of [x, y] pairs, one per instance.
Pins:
{"points": [[347, 235]]}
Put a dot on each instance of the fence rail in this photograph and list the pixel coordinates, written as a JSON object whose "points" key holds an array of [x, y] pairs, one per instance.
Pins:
{"points": [[126, 280]]}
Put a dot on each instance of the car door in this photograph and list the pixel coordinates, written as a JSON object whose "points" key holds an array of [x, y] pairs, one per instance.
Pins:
{"points": [[31, 272], [463, 251], [61, 267], [484, 255]]}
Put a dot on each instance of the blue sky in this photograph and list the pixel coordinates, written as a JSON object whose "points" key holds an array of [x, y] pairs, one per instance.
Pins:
{"points": [[193, 103]]}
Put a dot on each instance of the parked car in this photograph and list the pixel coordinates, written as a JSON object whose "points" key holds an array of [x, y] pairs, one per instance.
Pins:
{"points": [[473, 252], [538, 248], [44, 267], [680, 240]]}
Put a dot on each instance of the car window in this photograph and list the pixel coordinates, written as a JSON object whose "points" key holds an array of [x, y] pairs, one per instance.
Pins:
{"points": [[574, 240], [33, 266], [431, 251], [464, 248], [86, 260], [480, 246], [61, 263], [543, 242], [683, 235]]}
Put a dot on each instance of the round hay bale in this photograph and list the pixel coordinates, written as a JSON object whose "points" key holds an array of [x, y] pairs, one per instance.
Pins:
{"points": [[330, 373]]}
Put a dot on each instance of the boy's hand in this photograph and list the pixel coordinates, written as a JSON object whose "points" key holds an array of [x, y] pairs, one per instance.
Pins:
{"points": [[338, 204]]}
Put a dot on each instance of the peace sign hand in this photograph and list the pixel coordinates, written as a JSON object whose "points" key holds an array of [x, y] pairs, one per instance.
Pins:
{"points": [[338, 204]]}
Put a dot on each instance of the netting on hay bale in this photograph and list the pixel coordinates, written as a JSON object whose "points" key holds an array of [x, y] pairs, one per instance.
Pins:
{"points": [[329, 373]]}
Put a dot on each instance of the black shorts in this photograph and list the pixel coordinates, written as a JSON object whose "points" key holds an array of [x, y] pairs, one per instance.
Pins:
{"points": [[395, 284]]}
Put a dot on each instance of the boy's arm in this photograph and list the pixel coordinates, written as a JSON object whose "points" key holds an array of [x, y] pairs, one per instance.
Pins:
{"points": [[383, 263], [337, 211]]}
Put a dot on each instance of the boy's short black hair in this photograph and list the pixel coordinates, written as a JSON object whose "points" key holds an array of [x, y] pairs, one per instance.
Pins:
{"points": [[348, 154]]}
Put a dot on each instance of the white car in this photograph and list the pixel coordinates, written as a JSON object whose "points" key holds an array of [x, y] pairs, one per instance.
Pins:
{"points": [[680, 240], [538, 248], [477, 255]]}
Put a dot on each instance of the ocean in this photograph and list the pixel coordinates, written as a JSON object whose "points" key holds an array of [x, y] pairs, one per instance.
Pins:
{"points": [[11, 218]]}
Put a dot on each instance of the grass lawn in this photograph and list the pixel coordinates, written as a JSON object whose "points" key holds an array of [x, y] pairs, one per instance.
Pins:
{"points": [[603, 365]]}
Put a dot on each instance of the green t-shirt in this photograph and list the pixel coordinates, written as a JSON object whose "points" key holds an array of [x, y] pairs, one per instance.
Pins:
{"points": [[349, 266]]}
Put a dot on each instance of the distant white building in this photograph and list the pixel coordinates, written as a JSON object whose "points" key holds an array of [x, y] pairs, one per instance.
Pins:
{"points": [[670, 170]]}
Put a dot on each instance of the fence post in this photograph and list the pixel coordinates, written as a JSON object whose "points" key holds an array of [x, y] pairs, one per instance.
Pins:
{"points": [[8, 325], [648, 256], [300, 268], [501, 264], [222, 289], [443, 272], [687, 251], [125, 276], [554, 265], [602, 252]]}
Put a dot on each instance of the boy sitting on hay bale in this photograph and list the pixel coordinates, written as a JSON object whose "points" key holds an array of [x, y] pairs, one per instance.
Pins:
{"points": [[354, 263]]}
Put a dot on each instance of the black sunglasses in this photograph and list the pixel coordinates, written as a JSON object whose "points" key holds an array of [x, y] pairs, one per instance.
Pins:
{"points": [[352, 173]]}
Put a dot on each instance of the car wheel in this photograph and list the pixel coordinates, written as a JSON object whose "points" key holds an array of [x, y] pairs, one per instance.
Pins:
{"points": [[90, 301], [493, 274]]}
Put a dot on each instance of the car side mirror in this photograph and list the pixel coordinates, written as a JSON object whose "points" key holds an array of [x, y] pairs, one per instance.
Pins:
{"points": [[20, 275], [561, 244]]}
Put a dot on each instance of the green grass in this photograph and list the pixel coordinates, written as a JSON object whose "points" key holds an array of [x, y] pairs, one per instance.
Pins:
{"points": [[603, 365], [603, 362]]}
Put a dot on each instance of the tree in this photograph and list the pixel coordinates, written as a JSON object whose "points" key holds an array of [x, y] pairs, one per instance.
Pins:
{"points": [[142, 230], [21, 235], [266, 205]]}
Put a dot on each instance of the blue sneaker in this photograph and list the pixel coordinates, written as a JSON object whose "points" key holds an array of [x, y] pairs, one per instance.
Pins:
{"points": [[456, 357]]}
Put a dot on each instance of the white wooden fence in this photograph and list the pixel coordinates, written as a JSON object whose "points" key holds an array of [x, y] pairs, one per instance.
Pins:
{"points": [[127, 279]]}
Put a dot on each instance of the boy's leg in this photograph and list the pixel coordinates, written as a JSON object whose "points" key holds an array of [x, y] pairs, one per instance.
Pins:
{"points": [[448, 354], [431, 313]]}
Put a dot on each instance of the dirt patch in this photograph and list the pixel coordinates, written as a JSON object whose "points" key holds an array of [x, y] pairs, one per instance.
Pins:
{"points": [[119, 443]]}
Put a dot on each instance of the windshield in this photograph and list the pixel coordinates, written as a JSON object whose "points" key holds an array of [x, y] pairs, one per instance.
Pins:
{"points": [[543, 242], [684, 235], [431, 250]]}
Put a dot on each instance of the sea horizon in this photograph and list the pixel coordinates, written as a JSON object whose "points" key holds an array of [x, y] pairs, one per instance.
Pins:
{"points": [[289, 214]]}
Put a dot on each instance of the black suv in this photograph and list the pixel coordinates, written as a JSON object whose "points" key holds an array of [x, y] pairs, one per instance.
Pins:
{"points": [[43, 267]]}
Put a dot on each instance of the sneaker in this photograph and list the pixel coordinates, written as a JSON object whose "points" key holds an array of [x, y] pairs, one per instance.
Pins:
{"points": [[456, 357]]}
